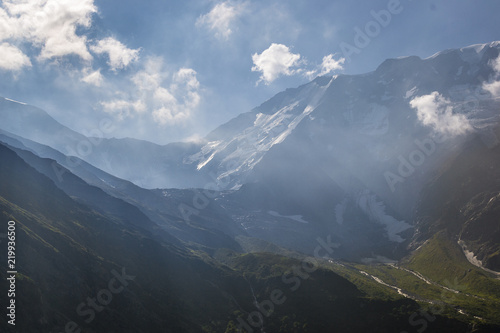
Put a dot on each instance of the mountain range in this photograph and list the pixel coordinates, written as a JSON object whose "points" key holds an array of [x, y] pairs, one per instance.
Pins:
{"points": [[394, 174]]}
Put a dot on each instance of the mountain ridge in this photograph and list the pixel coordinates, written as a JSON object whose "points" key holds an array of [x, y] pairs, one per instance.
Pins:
{"points": [[405, 210], [164, 162], [67, 246], [348, 147]]}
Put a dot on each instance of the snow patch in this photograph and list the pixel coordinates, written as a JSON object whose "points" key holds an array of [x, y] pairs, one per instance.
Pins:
{"points": [[472, 258], [105, 182], [235, 158], [297, 218], [375, 210], [411, 92], [201, 156], [14, 101], [473, 54]]}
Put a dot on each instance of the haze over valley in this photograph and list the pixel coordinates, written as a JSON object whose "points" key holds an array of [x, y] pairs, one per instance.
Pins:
{"points": [[331, 198]]}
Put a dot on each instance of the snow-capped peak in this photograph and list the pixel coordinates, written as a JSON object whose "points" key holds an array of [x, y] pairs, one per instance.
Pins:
{"points": [[240, 154], [470, 54]]}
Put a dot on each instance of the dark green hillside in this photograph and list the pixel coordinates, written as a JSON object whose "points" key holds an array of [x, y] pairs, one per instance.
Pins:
{"points": [[68, 254], [123, 199], [463, 200], [312, 298], [442, 261]]}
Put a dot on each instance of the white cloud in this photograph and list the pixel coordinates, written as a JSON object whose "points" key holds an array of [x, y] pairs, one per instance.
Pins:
{"points": [[277, 60], [195, 138], [93, 78], [151, 76], [493, 86], [123, 108], [163, 96], [169, 114], [170, 97], [330, 65], [119, 55], [8, 25], [496, 64], [435, 111], [50, 25], [219, 19], [310, 74], [53, 28], [173, 109], [187, 77], [12, 58]]}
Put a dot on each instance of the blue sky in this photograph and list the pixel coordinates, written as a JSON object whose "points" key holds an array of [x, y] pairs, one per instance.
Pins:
{"points": [[174, 70]]}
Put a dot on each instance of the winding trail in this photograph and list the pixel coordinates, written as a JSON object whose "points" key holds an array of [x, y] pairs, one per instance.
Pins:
{"points": [[407, 294], [426, 280], [399, 290]]}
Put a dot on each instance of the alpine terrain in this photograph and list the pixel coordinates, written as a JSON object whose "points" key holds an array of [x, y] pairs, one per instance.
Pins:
{"points": [[352, 203]]}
